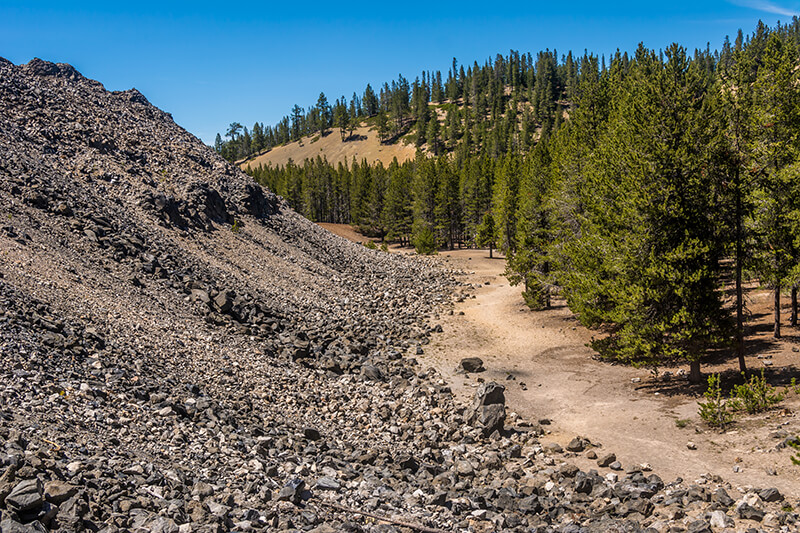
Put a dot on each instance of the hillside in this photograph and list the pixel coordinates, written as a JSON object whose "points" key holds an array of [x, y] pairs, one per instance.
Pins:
{"points": [[183, 352], [363, 144]]}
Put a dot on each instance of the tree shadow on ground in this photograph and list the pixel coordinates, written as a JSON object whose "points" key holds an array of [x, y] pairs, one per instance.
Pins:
{"points": [[680, 386]]}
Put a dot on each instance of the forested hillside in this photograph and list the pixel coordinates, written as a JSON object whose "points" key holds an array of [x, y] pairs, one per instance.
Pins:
{"points": [[641, 189]]}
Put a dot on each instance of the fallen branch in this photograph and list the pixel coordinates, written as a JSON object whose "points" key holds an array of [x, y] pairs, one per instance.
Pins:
{"points": [[417, 527]]}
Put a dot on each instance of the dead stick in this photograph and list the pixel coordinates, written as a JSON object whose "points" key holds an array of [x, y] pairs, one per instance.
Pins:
{"points": [[417, 527]]}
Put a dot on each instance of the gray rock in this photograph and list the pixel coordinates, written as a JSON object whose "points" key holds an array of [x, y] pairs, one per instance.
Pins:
{"points": [[491, 418], [576, 445], [57, 492], [771, 495], [472, 364], [745, 510], [372, 372], [11, 526], [224, 301], [606, 460], [641, 506], [552, 447], [311, 433], [292, 491], [26, 496], [699, 526], [199, 295], [720, 497], [583, 485], [327, 483]]}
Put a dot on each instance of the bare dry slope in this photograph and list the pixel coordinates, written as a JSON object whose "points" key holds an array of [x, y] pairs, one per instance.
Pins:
{"points": [[365, 145]]}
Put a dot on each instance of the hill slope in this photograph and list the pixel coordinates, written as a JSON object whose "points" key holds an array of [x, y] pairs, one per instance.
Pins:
{"points": [[363, 144], [182, 352]]}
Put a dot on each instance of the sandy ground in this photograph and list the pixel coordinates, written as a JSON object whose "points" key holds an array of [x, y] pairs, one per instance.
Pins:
{"points": [[549, 372], [365, 145]]}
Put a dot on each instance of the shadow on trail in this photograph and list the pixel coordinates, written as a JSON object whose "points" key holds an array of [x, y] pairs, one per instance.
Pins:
{"points": [[680, 386]]}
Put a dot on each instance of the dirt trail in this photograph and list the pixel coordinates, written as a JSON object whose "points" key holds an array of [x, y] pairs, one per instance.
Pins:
{"points": [[635, 419]]}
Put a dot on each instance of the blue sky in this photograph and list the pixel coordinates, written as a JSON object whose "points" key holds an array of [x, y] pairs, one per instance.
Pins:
{"points": [[210, 64]]}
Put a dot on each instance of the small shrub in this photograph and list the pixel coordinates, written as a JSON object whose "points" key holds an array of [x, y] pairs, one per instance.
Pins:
{"points": [[756, 395], [795, 443], [715, 410], [371, 245], [384, 247], [237, 226], [682, 422], [424, 240], [795, 387]]}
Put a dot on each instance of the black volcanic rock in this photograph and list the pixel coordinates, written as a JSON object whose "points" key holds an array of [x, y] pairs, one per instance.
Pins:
{"points": [[181, 351]]}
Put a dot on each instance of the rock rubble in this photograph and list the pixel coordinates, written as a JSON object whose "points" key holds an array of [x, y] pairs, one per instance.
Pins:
{"points": [[181, 352]]}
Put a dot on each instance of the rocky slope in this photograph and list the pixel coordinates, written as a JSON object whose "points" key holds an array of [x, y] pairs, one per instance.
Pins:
{"points": [[182, 352]]}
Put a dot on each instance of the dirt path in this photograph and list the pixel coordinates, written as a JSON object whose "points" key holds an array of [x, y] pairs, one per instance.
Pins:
{"points": [[542, 359]]}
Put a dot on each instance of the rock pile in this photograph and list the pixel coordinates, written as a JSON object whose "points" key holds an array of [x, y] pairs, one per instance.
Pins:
{"points": [[182, 352]]}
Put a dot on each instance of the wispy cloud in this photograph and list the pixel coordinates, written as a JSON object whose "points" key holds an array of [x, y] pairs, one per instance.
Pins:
{"points": [[768, 7]]}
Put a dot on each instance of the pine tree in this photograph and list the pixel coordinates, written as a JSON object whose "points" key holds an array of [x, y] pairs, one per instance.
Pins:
{"points": [[370, 102], [777, 119], [447, 210], [504, 202], [529, 264], [656, 290], [324, 111], [487, 232], [384, 128], [397, 210]]}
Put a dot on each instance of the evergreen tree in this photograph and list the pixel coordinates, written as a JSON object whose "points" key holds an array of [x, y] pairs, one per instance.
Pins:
{"points": [[656, 291], [504, 202], [777, 116], [324, 111], [529, 264], [370, 102], [487, 232]]}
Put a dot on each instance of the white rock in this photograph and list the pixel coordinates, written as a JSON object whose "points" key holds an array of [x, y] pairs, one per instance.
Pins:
{"points": [[719, 520]]}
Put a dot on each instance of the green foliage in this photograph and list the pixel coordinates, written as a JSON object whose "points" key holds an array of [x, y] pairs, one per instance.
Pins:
{"points": [[487, 232], [424, 239], [755, 395], [371, 245], [237, 226], [795, 444], [384, 247], [628, 187], [682, 423], [715, 410]]}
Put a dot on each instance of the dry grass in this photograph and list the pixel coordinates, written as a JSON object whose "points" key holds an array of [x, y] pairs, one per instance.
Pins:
{"points": [[363, 145]]}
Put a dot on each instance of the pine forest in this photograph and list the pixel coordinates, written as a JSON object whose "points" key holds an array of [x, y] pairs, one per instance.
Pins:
{"points": [[645, 189]]}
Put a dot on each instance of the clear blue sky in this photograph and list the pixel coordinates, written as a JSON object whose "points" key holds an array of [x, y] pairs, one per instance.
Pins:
{"points": [[210, 64]]}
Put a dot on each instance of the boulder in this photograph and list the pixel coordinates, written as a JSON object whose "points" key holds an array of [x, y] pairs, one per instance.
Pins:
{"points": [[488, 408], [472, 364], [26, 496]]}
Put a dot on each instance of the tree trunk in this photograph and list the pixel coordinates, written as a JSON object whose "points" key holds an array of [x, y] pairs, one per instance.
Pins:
{"points": [[694, 372], [490, 251], [546, 271], [739, 295], [777, 332], [794, 307]]}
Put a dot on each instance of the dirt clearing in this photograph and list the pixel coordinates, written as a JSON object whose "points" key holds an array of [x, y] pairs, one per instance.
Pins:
{"points": [[549, 372]]}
